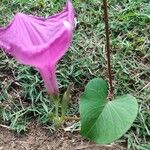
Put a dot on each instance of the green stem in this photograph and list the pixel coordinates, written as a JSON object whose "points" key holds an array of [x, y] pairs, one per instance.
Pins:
{"points": [[56, 100], [57, 119], [56, 108]]}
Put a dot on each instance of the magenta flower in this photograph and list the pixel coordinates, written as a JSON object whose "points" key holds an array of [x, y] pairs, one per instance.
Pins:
{"points": [[40, 42]]}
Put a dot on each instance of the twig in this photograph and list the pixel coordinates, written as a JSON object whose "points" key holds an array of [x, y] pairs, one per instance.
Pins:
{"points": [[4, 126]]}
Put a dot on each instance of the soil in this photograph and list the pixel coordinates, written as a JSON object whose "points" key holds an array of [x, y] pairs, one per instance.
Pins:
{"points": [[38, 138]]}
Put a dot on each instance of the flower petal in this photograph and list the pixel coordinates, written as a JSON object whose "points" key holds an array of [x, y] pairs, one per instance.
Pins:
{"points": [[40, 42]]}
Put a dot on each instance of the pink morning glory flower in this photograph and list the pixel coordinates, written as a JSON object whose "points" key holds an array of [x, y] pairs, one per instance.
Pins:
{"points": [[40, 42]]}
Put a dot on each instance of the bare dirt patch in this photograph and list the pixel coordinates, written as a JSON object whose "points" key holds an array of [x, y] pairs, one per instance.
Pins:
{"points": [[38, 138]]}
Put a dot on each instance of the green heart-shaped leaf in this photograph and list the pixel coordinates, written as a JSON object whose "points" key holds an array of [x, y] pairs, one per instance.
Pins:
{"points": [[104, 121]]}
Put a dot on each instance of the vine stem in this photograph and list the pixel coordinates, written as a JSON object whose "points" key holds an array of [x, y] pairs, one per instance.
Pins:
{"points": [[105, 6], [72, 118]]}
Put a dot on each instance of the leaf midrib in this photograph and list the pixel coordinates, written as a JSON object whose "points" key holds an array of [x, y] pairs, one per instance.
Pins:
{"points": [[98, 118]]}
